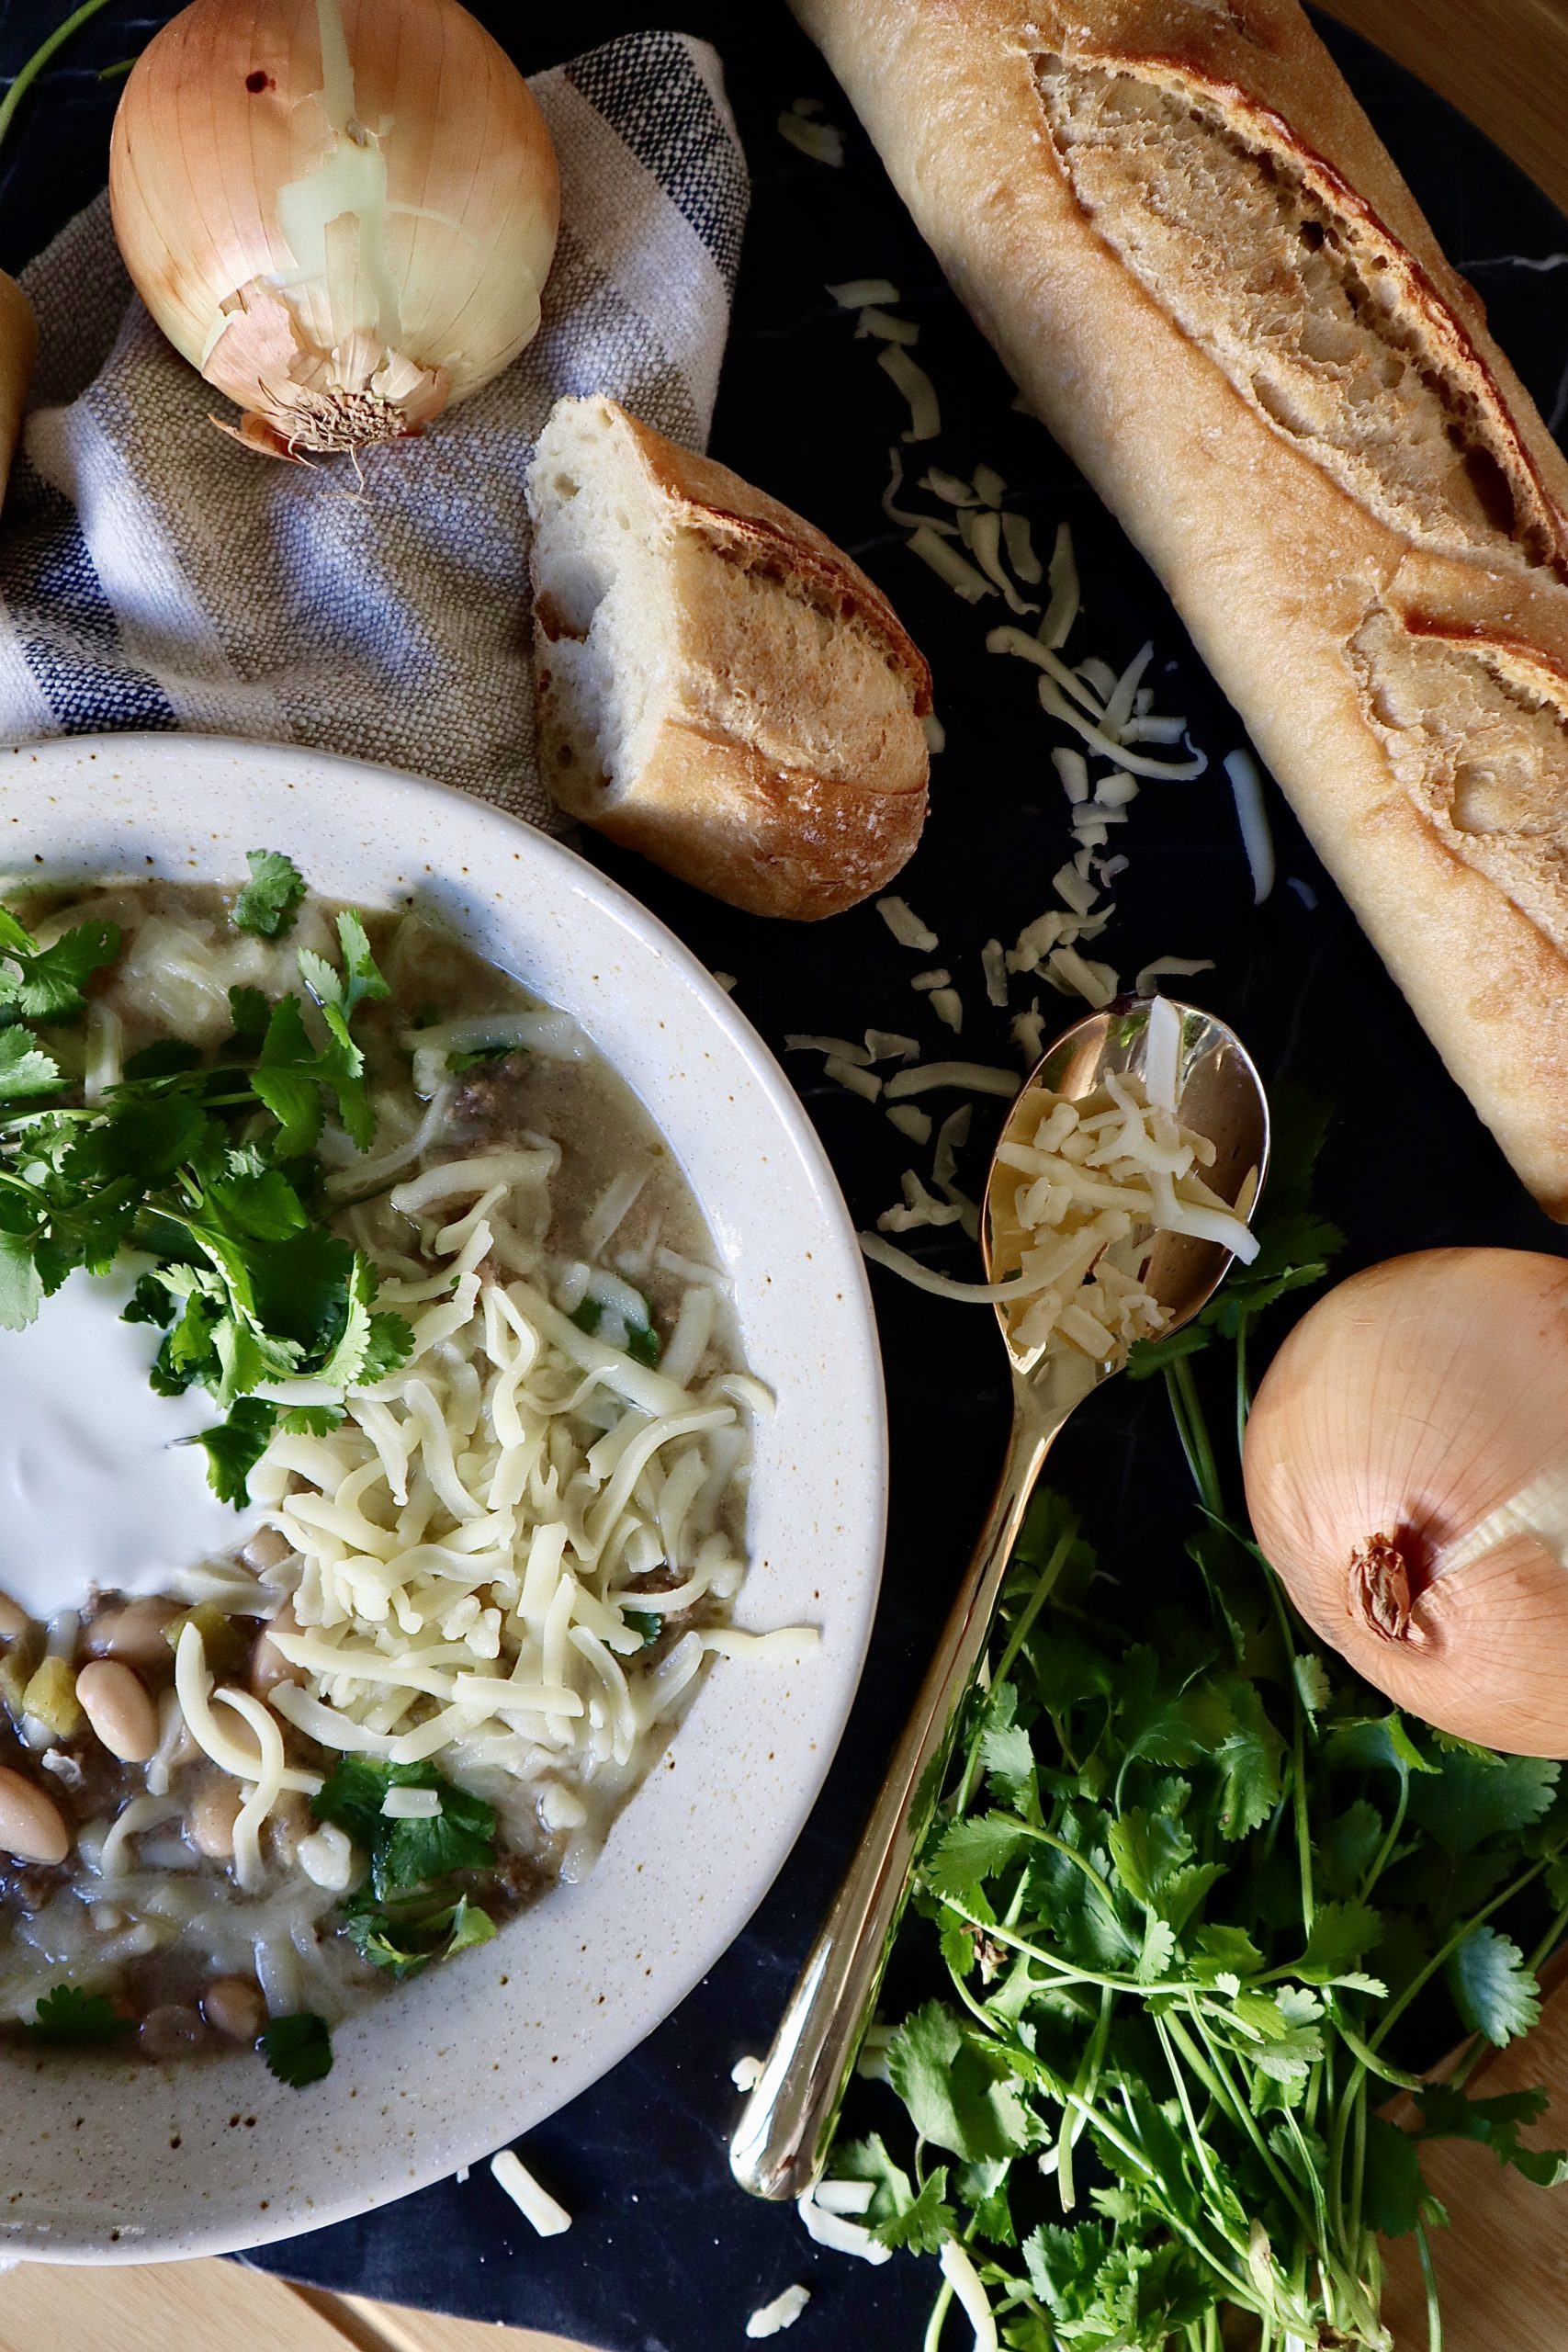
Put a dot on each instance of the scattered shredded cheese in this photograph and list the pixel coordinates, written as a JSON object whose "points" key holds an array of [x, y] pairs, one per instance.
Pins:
{"points": [[885, 328], [823, 141], [972, 1077], [993, 963], [925, 412], [773, 2318], [746, 2073], [906, 925], [964, 2280], [1252, 816], [948, 1006], [912, 1122], [949, 565], [856, 292], [533, 2202], [1176, 967], [839, 2235]]}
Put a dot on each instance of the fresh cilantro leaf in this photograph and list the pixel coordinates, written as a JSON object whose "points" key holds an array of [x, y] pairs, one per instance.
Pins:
{"points": [[150, 1303], [26, 1071], [405, 1934], [235, 1446], [1347, 1847], [1394, 2192], [1494, 1991], [962, 2094], [165, 1057], [1312, 1685], [46, 983], [643, 1621], [69, 2015], [250, 1012], [1249, 1758], [1147, 1357], [360, 981], [1473, 1795], [1146, 1849], [1447, 2114], [1341, 1932], [272, 898], [297, 2049], [868, 2159], [387, 1347], [973, 1850], [1383, 1742], [313, 1420], [469, 1059], [21, 1288], [925, 2222]]}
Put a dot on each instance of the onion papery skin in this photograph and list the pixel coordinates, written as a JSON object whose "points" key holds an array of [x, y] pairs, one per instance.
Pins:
{"points": [[340, 211], [1411, 1405]]}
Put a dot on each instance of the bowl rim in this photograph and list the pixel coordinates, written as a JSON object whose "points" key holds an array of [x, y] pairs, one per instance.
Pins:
{"points": [[50, 774]]}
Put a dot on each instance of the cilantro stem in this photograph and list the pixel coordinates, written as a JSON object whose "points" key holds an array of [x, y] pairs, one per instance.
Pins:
{"points": [[940, 2309], [1016, 1639], [1379, 1861], [22, 80], [1201, 1452], [1429, 2280], [1211, 2073]]}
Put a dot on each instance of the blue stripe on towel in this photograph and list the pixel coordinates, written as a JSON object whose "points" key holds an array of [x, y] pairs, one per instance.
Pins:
{"points": [[647, 88], [70, 640]]}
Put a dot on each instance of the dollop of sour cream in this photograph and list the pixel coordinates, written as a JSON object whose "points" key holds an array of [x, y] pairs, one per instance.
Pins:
{"points": [[96, 1488]]}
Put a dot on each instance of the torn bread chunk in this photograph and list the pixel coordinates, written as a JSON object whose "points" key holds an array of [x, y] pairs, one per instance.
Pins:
{"points": [[719, 686]]}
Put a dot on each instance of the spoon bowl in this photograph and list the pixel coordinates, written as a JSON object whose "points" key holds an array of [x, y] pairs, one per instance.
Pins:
{"points": [[1206, 1073], [1218, 1094]]}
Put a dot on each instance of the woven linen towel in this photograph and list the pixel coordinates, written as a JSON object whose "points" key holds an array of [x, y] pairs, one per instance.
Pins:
{"points": [[155, 575]]}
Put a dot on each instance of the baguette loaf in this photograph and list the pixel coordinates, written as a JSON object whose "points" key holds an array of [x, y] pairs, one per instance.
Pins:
{"points": [[719, 685], [1205, 274]]}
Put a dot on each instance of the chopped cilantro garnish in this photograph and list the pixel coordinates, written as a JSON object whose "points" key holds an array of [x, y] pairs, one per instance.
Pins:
{"points": [[203, 1167], [404, 1934], [297, 2049], [644, 1622], [406, 1854], [272, 898], [469, 1058], [642, 1341], [46, 983], [69, 2015]]}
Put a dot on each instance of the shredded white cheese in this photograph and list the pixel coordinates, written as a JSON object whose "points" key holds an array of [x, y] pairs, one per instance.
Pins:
{"points": [[949, 565], [839, 2235], [1252, 816], [906, 925], [856, 292], [746, 2073], [823, 141], [948, 1006], [964, 2280], [773, 2318], [925, 413], [885, 328], [533, 2202], [972, 1077], [912, 1122]]}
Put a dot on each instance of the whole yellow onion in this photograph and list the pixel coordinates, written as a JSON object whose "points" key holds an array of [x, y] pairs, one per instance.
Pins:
{"points": [[1406, 1469], [342, 211]]}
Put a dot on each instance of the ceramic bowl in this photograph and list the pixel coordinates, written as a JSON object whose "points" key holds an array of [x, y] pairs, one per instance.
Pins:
{"points": [[107, 2159]]}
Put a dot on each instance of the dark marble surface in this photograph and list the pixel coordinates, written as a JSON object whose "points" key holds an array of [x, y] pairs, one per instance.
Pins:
{"points": [[665, 2256]]}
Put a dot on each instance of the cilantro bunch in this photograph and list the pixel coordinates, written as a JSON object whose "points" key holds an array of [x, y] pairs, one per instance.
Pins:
{"points": [[1200, 1902], [206, 1166]]}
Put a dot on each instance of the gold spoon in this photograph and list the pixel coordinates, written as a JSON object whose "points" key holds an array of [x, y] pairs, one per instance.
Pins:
{"points": [[783, 2137]]}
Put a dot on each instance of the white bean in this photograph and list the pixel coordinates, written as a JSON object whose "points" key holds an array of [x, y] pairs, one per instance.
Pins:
{"points": [[233, 2006], [214, 1811], [116, 1703], [32, 1826], [134, 1632]]}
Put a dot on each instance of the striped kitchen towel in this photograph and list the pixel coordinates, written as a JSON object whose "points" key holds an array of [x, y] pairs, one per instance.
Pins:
{"points": [[152, 574]]}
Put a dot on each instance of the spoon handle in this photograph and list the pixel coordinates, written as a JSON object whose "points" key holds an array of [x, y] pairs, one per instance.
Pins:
{"points": [[781, 2139]]}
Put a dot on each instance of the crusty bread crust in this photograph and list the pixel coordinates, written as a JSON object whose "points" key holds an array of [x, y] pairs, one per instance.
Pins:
{"points": [[769, 832], [1298, 569]]}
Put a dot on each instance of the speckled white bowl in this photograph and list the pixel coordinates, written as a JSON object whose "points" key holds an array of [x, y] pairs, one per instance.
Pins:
{"points": [[120, 2160]]}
